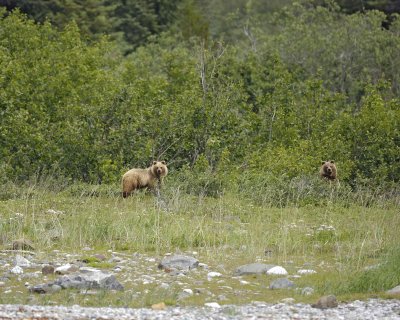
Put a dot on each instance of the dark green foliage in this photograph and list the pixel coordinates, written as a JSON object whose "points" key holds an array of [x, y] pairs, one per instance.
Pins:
{"points": [[269, 110]]}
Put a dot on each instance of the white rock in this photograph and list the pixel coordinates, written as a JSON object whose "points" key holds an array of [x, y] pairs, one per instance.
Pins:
{"points": [[17, 270], [189, 292], [306, 271], [212, 305], [21, 261], [277, 270], [213, 274], [63, 269], [288, 300]]}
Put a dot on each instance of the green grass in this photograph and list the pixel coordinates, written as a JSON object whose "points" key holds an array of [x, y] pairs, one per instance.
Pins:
{"points": [[340, 236]]}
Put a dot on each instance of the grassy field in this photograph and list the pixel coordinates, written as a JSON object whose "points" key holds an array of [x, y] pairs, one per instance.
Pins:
{"points": [[339, 235]]}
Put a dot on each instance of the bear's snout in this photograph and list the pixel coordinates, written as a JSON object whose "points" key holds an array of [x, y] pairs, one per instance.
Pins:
{"points": [[329, 170]]}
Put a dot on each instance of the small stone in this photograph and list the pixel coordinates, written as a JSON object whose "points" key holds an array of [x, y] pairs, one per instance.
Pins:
{"points": [[65, 269], [47, 269], [281, 283], [186, 293], [159, 306], [213, 274], [307, 291], [288, 300], [100, 257], [395, 290], [45, 288], [253, 268], [306, 271], [277, 271], [326, 302], [17, 270], [178, 262], [214, 305], [21, 261]]}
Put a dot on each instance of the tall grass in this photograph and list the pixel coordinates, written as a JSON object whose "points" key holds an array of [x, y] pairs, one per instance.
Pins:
{"points": [[303, 220]]}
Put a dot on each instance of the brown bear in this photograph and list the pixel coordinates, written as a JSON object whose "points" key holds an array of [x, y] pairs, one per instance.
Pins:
{"points": [[328, 170], [149, 178]]}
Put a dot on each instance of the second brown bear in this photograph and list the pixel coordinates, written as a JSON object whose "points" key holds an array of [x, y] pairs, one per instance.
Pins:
{"points": [[328, 170], [149, 178]]}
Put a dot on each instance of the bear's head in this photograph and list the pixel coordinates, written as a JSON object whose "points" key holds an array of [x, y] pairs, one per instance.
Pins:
{"points": [[159, 169], [328, 169]]}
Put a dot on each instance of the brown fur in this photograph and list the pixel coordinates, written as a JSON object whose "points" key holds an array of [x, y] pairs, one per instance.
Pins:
{"points": [[149, 178], [328, 170]]}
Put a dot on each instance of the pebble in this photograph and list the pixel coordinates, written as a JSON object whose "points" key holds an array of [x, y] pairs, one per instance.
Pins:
{"points": [[278, 270]]}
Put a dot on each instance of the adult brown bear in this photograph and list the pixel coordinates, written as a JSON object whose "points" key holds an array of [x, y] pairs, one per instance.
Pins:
{"points": [[149, 178], [328, 170]]}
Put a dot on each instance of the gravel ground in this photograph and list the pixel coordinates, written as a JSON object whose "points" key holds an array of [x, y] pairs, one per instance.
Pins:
{"points": [[371, 309]]}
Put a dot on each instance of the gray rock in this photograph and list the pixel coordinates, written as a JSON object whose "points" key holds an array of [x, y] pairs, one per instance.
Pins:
{"points": [[89, 280], [307, 291], [253, 268], [395, 290], [21, 261], [17, 270], [326, 302], [45, 288], [281, 283], [179, 262]]}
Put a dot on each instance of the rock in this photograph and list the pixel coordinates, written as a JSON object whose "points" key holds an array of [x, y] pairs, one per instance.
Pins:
{"points": [[22, 244], [89, 279], [17, 270], [281, 283], [307, 291], [179, 262], [288, 300], [306, 271], [47, 269], [278, 270], [214, 305], [253, 268], [100, 257], [212, 275], [159, 306], [395, 290], [186, 293], [65, 269], [45, 288], [21, 261], [326, 302]]}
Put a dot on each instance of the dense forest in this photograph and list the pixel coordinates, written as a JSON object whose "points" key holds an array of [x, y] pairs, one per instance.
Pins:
{"points": [[266, 88]]}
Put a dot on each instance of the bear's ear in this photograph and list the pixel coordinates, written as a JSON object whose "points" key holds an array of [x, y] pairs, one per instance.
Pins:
{"points": [[163, 162], [322, 162], [154, 163], [332, 161]]}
